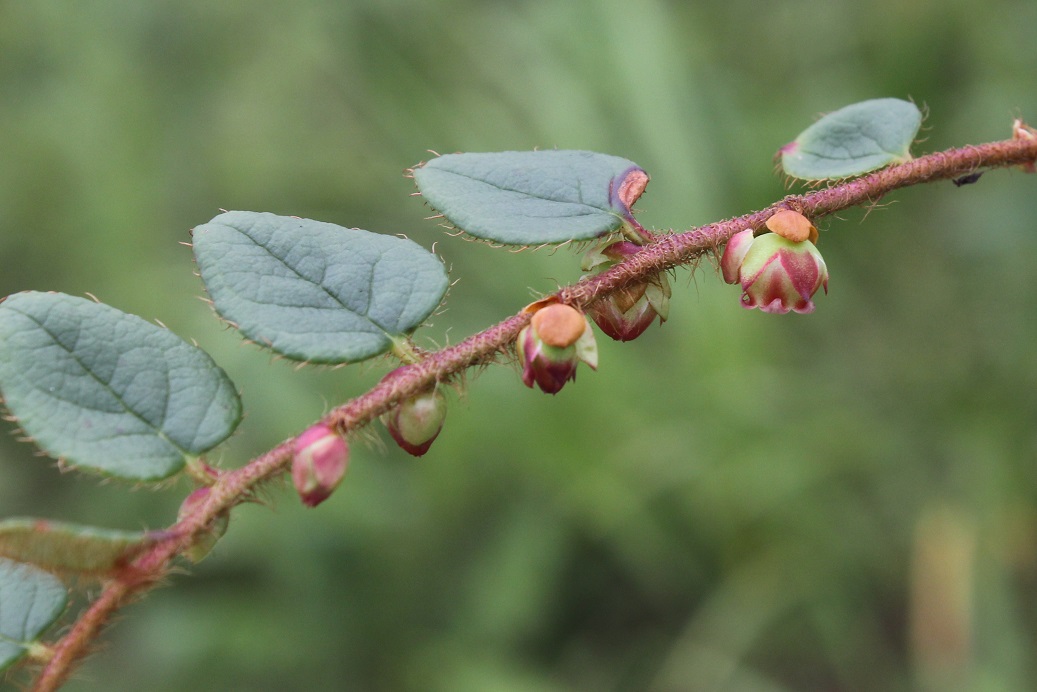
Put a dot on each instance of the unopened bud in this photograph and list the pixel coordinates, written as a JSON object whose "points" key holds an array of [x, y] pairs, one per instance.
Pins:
{"points": [[320, 462], [416, 422]]}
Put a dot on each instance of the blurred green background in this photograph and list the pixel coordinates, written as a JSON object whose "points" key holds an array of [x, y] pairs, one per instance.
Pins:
{"points": [[736, 501]]}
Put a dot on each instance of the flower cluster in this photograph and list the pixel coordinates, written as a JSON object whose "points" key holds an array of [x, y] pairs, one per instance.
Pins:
{"points": [[626, 313]]}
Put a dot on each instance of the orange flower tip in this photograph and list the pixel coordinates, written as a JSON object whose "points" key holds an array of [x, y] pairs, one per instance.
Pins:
{"points": [[559, 325], [792, 225]]}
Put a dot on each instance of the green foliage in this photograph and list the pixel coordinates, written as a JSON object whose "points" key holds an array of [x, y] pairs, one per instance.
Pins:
{"points": [[315, 291], [67, 548], [853, 140], [107, 391], [526, 197], [30, 600]]}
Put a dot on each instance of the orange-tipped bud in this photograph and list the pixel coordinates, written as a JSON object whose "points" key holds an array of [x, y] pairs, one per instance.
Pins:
{"points": [[549, 349]]}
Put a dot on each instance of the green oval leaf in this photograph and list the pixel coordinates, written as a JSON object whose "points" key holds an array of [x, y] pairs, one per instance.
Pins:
{"points": [[527, 197], [108, 391], [30, 601], [62, 547], [314, 291], [854, 140]]}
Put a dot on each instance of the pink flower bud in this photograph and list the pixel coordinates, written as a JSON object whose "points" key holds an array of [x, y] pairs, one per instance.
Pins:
{"points": [[626, 313], [549, 349], [320, 462], [416, 422], [776, 274]]}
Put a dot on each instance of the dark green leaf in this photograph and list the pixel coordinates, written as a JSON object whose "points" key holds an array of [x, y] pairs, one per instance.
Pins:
{"points": [[108, 391], [315, 291], [65, 547], [853, 140], [30, 601], [527, 197]]}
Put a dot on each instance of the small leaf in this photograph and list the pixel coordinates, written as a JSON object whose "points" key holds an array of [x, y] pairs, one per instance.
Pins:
{"points": [[315, 291], [30, 601], [65, 547], [531, 197], [108, 391], [854, 140]]}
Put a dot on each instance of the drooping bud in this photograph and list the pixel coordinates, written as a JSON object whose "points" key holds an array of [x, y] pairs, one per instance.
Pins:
{"points": [[557, 338], [320, 461], [203, 543], [416, 422], [626, 313], [776, 274]]}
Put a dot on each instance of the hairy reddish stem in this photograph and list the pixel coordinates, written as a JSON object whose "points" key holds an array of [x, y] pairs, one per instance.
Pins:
{"points": [[663, 252]]}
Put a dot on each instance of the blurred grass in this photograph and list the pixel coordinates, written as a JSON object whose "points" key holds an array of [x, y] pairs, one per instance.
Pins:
{"points": [[844, 501]]}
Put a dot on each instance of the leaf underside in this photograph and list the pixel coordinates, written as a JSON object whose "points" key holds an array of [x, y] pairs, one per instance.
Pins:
{"points": [[30, 601], [853, 140], [63, 547], [526, 197], [108, 391], [314, 291]]}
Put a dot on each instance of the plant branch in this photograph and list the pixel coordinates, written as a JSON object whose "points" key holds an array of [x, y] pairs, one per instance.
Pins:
{"points": [[662, 253]]}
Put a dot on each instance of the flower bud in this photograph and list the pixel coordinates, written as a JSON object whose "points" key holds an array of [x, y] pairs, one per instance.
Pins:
{"points": [[320, 461], [776, 274], [626, 313], [203, 543], [416, 422], [550, 347]]}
